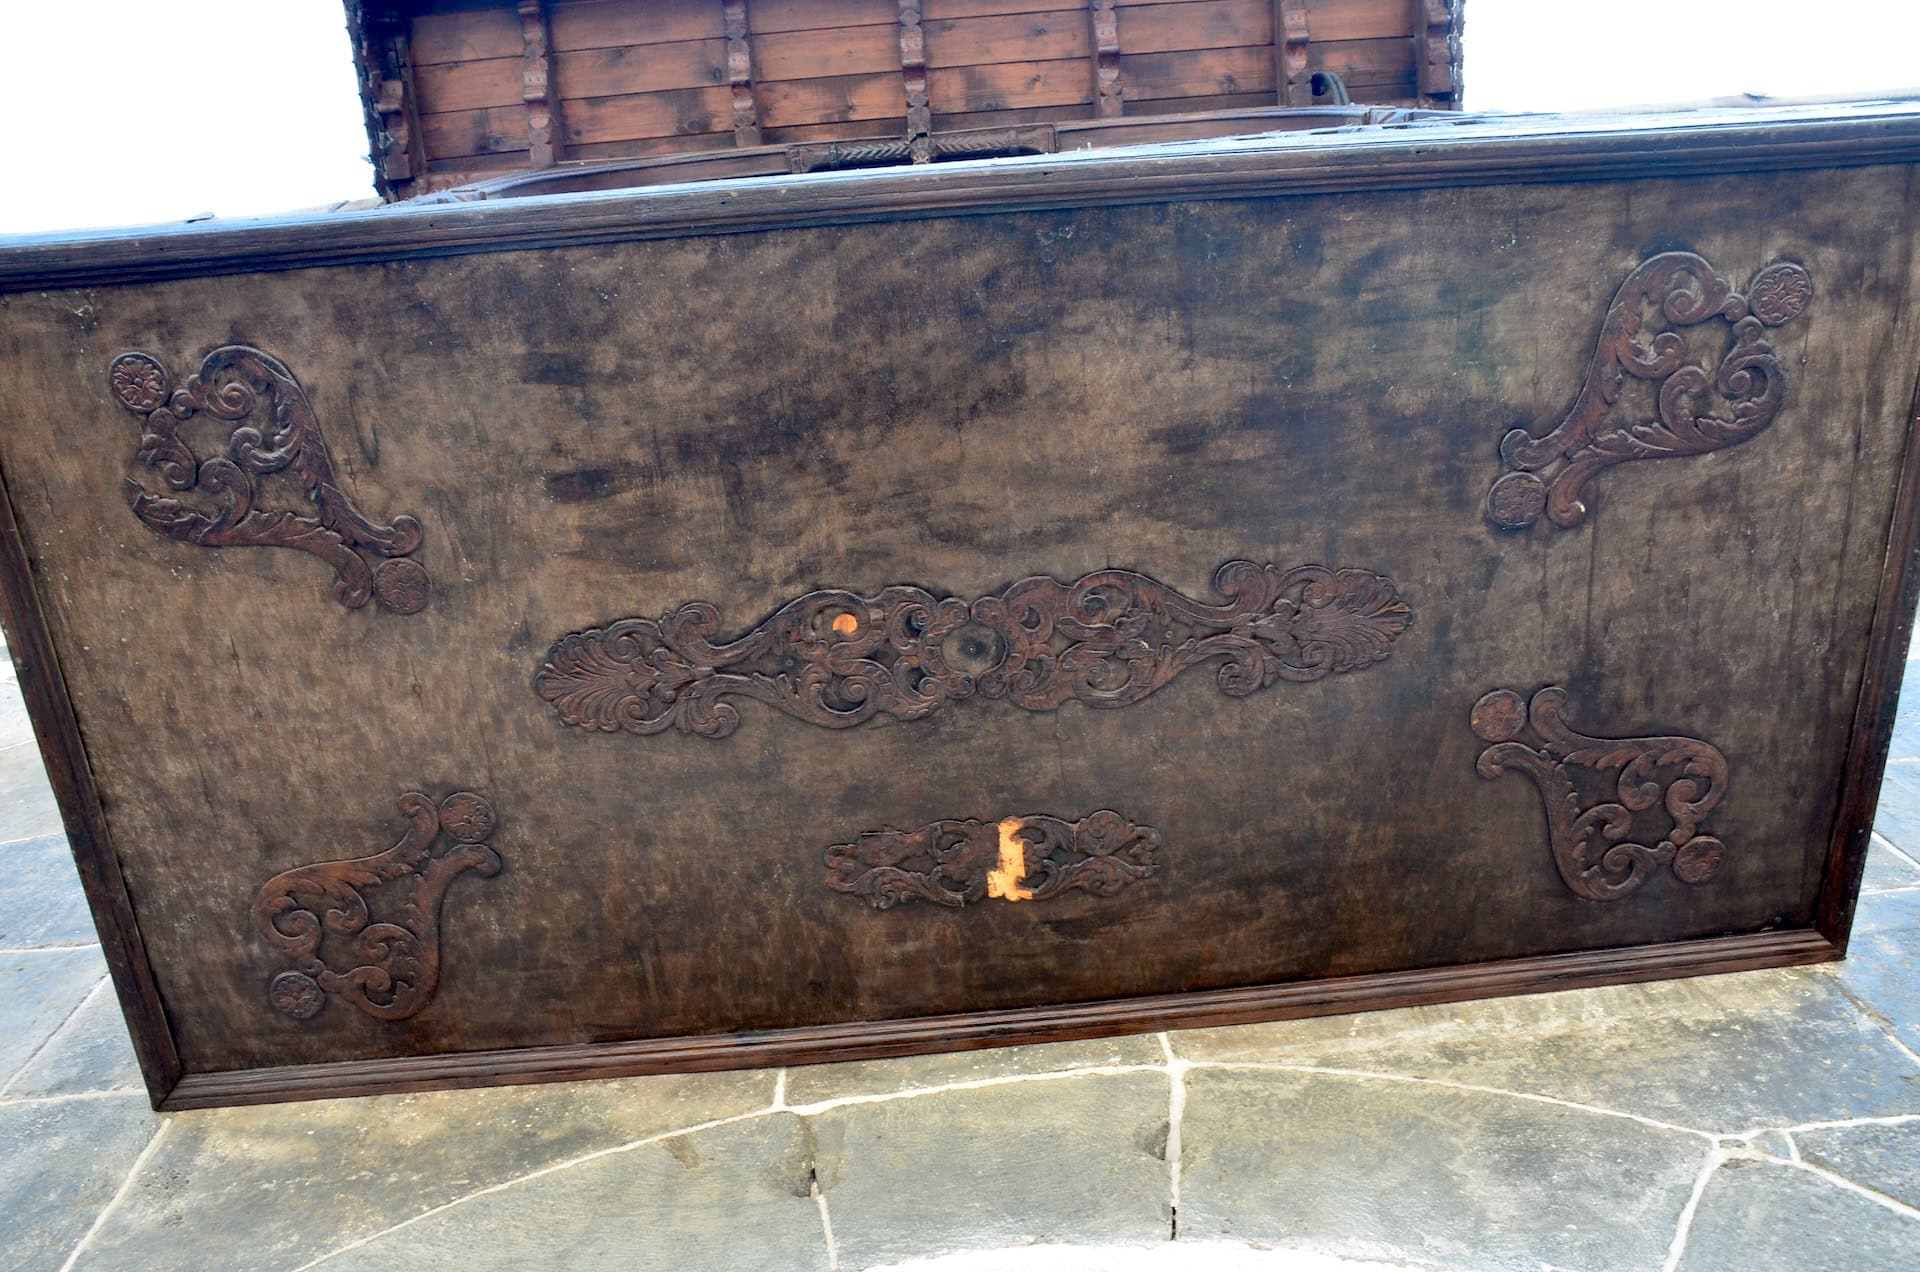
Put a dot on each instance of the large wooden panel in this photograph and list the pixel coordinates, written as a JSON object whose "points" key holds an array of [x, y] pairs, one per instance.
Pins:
{"points": [[962, 724]]}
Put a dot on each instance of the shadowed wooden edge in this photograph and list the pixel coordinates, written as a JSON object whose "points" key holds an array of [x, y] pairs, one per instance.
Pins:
{"points": [[881, 1039], [1465, 151], [45, 690], [1872, 735]]}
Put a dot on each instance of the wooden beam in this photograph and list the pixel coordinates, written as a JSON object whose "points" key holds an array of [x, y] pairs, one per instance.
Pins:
{"points": [[746, 114], [913, 74], [544, 131], [1293, 82], [1104, 18]]}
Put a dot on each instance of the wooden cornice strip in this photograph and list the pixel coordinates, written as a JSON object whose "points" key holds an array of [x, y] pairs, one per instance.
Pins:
{"points": [[1103, 16], [1292, 80], [746, 112], [1462, 151], [544, 138], [913, 74]]}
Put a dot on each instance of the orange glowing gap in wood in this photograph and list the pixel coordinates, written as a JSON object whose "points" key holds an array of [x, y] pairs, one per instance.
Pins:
{"points": [[846, 624], [1005, 882]]}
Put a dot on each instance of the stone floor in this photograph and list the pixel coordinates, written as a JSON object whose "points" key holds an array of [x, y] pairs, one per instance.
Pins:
{"points": [[1769, 1120]]}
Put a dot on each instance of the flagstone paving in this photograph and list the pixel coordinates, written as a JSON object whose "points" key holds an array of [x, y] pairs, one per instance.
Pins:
{"points": [[1769, 1120]]}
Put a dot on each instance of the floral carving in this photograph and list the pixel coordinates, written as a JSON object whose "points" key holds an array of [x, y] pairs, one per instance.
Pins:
{"points": [[838, 659], [1694, 410], [388, 970], [1032, 858], [1618, 809], [369, 560]]}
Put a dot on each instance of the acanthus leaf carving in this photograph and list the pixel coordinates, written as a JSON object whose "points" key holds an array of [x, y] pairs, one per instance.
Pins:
{"points": [[370, 560], [391, 968], [1695, 410], [1601, 795], [838, 659], [954, 863]]}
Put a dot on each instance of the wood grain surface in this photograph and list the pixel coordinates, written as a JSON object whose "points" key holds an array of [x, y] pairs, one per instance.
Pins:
{"points": [[956, 403]]}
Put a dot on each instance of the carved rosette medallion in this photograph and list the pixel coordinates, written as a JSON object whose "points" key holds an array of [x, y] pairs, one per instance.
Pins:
{"points": [[388, 969], [838, 659], [370, 560], [1692, 409], [1618, 809], [1031, 858]]}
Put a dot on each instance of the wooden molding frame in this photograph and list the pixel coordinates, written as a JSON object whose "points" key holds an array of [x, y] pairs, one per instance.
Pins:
{"points": [[1471, 152], [975, 1030]]}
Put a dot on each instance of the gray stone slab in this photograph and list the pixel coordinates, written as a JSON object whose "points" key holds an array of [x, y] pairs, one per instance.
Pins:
{"points": [[38, 991], [60, 1163], [728, 1199], [812, 1083], [1725, 1054], [1064, 1160], [90, 1052], [1898, 816], [1377, 1169], [272, 1187], [1763, 1217], [1889, 869], [27, 810], [1882, 968], [40, 898], [1883, 1158]]}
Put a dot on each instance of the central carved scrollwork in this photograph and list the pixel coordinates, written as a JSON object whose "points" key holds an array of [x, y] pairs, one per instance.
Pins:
{"points": [[1675, 290], [838, 659], [369, 560], [1600, 791], [1032, 858]]}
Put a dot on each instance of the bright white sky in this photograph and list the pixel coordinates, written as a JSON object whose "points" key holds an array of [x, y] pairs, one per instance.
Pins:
{"points": [[137, 111]]}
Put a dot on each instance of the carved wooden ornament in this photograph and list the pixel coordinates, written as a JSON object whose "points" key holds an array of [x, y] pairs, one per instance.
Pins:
{"points": [[1600, 791], [391, 968], [838, 659], [1695, 410], [1031, 858], [369, 560]]}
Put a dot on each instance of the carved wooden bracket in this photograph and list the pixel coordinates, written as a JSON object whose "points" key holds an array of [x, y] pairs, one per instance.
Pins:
{"points": [[746, 114], [1103, 18], [1437, 51], [1290, 40], [1599, 791], [837, 659], [393, 967], [1031, 858], [913, 75], [227, 387], [1673, 290], [544, 129]]}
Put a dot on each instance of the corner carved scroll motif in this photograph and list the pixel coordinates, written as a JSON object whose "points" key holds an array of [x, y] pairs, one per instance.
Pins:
{"points": [[1618, 809], [1031, 858], [1694, 410], [388, 970], [370, 560], [837, 659]]}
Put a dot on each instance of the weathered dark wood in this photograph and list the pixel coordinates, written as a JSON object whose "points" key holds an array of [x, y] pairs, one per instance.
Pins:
{"points": [[1020, 535]]}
